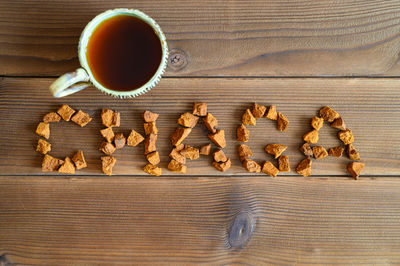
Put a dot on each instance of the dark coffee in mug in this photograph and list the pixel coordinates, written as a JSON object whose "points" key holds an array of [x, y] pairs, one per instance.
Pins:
{"points": [[123, 53]]}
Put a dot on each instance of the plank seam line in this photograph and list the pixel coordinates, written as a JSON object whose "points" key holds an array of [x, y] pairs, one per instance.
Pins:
{"points": [[233, 77], [194, 176]]}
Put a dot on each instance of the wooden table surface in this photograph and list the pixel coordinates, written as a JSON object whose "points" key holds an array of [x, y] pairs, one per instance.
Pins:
{"points": [[298, 55]]}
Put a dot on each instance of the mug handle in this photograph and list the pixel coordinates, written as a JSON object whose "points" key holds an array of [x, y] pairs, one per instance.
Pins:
{"points": [[70, 83]]}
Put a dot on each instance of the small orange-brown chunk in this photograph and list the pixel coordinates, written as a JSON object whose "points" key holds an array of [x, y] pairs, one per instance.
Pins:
{"points": [[179, 135], [134, 138], [355, 169], [328, 114], [311, 137], [317, 122], [190, 153], [107, 148], [150, 116], [51, 117], [218, 138], [346, 136], [67, 167], [270, 169], [319, 152], [119, 140], [336, 151], [152, 169], [107, 164], [43, 146], [43, 130], [223, 166], [352, 152], [108, 134], [304, 167], [188, 120], [176, 155], [282, 122], [200, 109], [211, 122], [205, 150], [176, 166], [258, 111], [244, 152], [251, 166], [150, 128], [81, 118], [153, 158], [150, 143], [283, 162], [248, 118], [79, 160], [339, 124], [242, 133], [275, 149], [219, 156], [110, 118], [180, 147], [65, 112], [272, 114], [50, 163], [306, 149]]}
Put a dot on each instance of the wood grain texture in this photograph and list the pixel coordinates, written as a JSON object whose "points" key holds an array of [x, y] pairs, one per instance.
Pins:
{"points": [[219, 38], [370, 108], [121, 220]]}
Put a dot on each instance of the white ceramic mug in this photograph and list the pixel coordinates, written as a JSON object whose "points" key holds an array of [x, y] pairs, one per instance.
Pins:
{"points": [[83, 77]]}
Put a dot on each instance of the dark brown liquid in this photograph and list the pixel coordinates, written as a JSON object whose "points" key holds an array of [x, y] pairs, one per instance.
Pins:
{"points": [[123, 53]]}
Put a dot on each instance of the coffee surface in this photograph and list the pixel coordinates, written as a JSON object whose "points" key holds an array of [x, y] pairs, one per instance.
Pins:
{"points": [[123, 53]]}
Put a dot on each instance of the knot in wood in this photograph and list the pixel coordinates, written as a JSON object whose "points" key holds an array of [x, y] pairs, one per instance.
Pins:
{"points": [[241, 229], [4, 261], [177, 59]]}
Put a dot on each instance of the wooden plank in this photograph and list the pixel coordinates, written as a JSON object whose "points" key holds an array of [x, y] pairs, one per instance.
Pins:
{"points": [[51, 220], [219, 38], [370, 108]]}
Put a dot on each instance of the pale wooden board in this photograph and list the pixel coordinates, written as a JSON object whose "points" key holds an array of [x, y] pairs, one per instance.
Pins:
{"points": [[53, 220], [370, 108], [220, 38]]}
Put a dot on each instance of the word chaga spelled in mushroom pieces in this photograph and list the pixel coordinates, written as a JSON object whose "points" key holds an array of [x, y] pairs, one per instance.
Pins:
{"points": [[181, 152]]}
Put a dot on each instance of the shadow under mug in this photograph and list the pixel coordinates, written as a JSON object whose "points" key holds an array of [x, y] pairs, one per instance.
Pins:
{"points": [[83, 77]]}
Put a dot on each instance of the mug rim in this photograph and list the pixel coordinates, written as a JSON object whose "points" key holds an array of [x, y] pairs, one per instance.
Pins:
{"points": [[87, 33]]}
